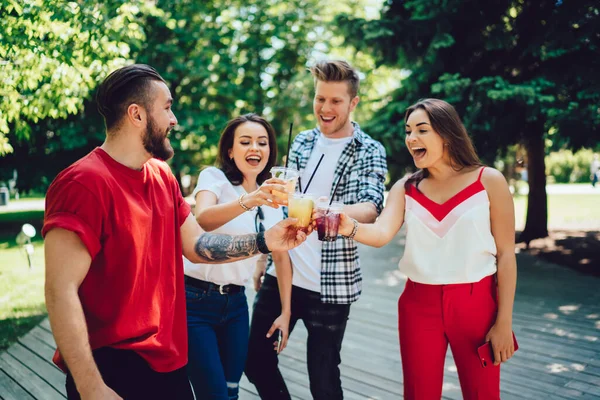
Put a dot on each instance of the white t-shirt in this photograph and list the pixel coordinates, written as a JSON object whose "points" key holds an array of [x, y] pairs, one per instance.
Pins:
{"points": [[306, 258], [237, 272]]}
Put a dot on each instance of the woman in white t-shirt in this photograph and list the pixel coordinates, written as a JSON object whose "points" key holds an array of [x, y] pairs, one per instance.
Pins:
{"points": [[459, 257], [234, 198]]}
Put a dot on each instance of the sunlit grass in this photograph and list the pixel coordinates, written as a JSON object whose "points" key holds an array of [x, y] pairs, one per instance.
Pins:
{"points": [[565, 211], [21, 292]]}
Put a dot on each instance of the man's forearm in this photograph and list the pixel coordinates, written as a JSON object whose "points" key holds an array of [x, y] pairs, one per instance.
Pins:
{"points": [[70, 333], [216, 248]]}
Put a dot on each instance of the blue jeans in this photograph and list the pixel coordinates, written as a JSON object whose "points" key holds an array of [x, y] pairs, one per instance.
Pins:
{"points": [[218, 342]]}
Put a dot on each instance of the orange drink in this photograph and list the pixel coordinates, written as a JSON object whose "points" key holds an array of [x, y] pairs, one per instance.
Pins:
{"points": [[300, 206], [290, 175]]}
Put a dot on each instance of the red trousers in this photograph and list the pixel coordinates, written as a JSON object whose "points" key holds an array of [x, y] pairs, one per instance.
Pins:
{"points": [[432, 316]]}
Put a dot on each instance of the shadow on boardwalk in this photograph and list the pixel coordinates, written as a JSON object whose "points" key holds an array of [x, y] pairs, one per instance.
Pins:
{"points": [[556, 319]]}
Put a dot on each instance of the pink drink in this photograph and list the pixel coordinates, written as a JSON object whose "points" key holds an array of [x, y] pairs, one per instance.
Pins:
{"points": [[328, 221]]}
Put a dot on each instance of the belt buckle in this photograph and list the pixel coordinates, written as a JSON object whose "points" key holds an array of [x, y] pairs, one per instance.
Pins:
{"points": [[221, 289]]}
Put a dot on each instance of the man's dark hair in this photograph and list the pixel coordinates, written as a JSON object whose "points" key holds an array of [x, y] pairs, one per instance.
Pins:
{"points": [[123, 87]]}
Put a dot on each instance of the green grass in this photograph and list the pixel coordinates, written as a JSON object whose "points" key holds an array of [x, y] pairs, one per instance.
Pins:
{"points": [[565, 211], [22, 304]]}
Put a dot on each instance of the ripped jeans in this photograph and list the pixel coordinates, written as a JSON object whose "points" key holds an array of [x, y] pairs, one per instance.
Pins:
{"points": [[218, 342], [325, 324]]}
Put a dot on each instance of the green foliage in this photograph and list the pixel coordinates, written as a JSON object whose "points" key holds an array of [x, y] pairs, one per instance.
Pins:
{"points": [[51, 55], [507, 66], [568, 167], [220, 58]]}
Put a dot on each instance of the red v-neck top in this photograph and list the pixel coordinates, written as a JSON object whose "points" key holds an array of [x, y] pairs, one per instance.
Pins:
{"points": [[450, 242]]}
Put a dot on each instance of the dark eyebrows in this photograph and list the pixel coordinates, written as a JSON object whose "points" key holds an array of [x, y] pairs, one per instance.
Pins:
{"points": [[419, 124], [250, 137]]}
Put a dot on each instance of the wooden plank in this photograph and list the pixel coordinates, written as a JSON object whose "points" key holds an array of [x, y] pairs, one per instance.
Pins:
{"points": [[31, 382], [11, 390], [44, 336], [48, 372], [46, 325], [584, 387], [37, 346]]}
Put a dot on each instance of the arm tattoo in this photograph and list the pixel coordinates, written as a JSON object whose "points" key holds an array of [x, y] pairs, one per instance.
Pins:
{"points": [[216, 247]]}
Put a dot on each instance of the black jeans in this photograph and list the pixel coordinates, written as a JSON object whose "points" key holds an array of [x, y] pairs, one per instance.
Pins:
{"points": [[130, 376], [325, 323]]}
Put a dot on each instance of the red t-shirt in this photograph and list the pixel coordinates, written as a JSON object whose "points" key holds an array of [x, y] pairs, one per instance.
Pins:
{"points": [[133, 296]]}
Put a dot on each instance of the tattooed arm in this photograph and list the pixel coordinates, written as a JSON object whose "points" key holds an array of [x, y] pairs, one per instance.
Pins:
{"points": [[213, 248]]}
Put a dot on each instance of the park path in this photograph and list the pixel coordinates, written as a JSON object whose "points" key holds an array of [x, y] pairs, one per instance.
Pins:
{"points": [[556, 320]]}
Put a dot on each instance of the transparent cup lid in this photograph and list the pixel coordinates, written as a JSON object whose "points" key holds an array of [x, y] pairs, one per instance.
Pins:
{"points": [[334, 207], [284, 173]]}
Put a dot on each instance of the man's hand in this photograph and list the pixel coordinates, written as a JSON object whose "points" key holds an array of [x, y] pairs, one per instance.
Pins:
{"points": [[284, 236], [283, 324], [259, 272]]}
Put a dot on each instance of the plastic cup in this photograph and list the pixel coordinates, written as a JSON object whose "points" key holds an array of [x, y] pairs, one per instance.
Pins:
{"points": [[300, 206], [328, 220], [290, 175]]}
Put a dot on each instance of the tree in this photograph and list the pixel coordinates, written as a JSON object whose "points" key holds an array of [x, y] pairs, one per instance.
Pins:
{"points": [[51, 54], [512, 68], [221, 58]]}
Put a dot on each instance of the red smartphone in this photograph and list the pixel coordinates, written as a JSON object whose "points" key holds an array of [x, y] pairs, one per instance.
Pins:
{"points": [[486, 353]]}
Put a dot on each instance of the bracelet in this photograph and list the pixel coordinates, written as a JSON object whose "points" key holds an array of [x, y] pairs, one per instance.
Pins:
{"points": [[354, 230], [261, 243], [241, 202]]}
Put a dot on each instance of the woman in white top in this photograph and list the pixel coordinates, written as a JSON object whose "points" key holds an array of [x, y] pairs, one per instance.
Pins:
{"points": [[459, 257], [234, 198]]}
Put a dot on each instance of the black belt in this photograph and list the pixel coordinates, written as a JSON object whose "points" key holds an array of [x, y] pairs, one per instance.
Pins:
{"points": [[208, 286]]}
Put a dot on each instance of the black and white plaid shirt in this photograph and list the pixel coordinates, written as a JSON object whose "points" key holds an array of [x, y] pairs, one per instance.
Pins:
{"points": [[363, 181]]}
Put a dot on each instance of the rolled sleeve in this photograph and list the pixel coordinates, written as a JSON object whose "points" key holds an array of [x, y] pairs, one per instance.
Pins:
{"points": [[183, 210], [372, 177], [71, 206], [73, 223]]}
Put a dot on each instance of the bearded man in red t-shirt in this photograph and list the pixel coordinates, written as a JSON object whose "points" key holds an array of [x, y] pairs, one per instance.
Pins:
{"points": [[115, 228]]}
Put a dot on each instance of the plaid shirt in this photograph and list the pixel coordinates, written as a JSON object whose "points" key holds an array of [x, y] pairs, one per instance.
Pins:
{"points": [[363, 181]]}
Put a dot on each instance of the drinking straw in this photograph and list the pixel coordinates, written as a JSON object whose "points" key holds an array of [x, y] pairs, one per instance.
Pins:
{"points": [[336, 186], [287, 155], [300, 184], [313, 174]]}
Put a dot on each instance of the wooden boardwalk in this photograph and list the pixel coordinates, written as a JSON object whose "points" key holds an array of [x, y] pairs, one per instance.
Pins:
{"points": [[556, 320]]}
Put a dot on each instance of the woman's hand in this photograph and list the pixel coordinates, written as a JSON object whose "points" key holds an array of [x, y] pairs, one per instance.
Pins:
{"points": [[346, 225], [502, 342], [282, 323], [263, 196]]}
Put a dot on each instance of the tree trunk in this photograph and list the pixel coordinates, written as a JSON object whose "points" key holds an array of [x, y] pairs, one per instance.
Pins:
{"points": [[536, 225]]}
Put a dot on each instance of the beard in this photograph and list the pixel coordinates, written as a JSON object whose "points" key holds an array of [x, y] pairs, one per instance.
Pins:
{"points": [[156, 142]]}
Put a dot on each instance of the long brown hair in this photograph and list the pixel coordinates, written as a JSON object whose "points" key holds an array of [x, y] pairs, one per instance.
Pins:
{"points": [[445, 122], [228, 166]]}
